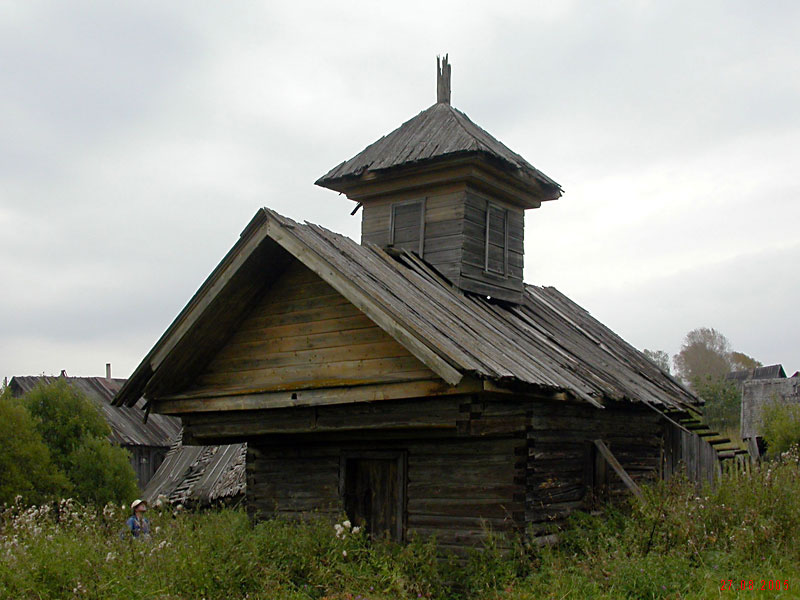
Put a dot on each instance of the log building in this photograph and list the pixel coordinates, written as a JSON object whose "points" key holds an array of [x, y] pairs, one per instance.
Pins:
{"points": [[414, 381]]}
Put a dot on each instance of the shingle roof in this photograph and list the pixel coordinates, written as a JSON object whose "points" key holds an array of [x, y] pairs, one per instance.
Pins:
{"points": [[438, 132], [126, 423], [767, 372], [548, 341]]}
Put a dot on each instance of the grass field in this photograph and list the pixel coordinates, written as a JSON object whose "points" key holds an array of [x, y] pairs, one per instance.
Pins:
{"points": [[677, 543]]}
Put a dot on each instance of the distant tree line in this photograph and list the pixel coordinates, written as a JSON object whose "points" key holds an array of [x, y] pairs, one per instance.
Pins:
{"points": [[55, 444], [702, 364]]}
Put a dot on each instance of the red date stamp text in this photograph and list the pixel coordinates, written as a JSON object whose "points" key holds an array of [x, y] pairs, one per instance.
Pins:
{"points": [[753, 585]]}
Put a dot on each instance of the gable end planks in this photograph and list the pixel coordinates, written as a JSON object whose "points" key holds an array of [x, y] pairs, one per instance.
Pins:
{"points": [[303, 334]]}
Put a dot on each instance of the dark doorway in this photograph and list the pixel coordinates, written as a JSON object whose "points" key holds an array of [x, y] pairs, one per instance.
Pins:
{"points": [[373, 492]]}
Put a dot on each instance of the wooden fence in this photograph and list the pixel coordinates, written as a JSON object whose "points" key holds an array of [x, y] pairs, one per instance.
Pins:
{"points": [[700, 453]]}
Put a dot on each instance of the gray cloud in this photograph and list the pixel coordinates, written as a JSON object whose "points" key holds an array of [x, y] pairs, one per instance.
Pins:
{"points": [[138, 139]]}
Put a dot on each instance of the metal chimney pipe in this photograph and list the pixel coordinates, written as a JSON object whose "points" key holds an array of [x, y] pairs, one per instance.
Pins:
{"points": [[108, 370]]}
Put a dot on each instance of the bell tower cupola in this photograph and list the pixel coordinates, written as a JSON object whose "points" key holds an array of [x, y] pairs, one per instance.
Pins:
{"points": [[445, 189]]}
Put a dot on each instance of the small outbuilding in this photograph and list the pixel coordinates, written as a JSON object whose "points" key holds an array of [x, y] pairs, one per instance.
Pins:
{"points": [[414, 381]]}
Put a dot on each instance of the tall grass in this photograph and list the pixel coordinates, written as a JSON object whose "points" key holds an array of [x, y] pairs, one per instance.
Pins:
{"points": [[677, 543]]}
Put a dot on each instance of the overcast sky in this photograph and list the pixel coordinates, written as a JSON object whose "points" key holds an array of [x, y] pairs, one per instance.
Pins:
{"points": [[137, 139]]}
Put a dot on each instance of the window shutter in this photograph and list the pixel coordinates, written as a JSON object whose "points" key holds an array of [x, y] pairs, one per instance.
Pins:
{"points": [[496, 240], [408, 226]]}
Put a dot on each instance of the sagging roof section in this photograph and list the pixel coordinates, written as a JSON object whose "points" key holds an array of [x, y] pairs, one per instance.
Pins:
{"points": [[437, 133], [199, 475], [548, 342], [126, 423]]}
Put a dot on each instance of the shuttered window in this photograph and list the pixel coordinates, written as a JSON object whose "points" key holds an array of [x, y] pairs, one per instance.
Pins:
{"points": [[408, 226], [496, 260]]}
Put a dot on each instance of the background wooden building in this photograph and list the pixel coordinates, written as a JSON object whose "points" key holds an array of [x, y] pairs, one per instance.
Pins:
{"points": [[414, 381], [146, 443], [768, 372]]}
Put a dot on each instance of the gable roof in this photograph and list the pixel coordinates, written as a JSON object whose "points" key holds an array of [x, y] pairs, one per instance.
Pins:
{"points": [[438, 132], [126, 423], [548, 342], [768, 372]]}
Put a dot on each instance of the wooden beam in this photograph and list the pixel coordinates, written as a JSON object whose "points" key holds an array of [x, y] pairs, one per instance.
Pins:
{"points": [[182, 404], [623, 474], [527, 390], [382, 316], [354, 421], [470, 169]]}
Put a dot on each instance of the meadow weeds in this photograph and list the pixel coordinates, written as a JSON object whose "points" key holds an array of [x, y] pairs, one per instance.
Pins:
{"points": [[678, 543]]}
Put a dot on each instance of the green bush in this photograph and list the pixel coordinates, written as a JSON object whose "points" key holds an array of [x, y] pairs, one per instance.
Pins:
{"points": [[722, 402], [65, 417], [25, 465], [101, 472], [76, 434], [781, 426]]}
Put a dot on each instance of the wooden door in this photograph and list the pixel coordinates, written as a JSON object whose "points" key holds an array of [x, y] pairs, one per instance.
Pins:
{"points": [[373, 495]]}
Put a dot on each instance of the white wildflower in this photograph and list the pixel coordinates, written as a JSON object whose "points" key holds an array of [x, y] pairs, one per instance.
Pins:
{"points": [[109, 557], [356, 529], [344, 552], [346, 524]]}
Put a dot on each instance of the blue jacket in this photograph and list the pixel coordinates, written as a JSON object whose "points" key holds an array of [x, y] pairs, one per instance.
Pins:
{"points": [[138, 528]]}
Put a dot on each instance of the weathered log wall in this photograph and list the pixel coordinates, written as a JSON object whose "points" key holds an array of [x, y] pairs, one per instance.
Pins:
{"points": [[455, 488], [563, 467], [471, 462]]}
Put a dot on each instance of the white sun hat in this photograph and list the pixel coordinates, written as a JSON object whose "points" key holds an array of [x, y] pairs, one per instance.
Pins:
{"points": [[137, 502]]}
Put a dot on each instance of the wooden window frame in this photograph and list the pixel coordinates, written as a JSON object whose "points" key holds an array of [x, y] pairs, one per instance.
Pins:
{"points": [[421, 202], [401, 502], [486, 269]]}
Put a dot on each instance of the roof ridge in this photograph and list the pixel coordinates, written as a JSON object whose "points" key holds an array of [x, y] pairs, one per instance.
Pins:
{"points": [[455, 112]]}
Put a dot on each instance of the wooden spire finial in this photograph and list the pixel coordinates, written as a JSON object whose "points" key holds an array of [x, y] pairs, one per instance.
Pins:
{"points": [[442, 80]]}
